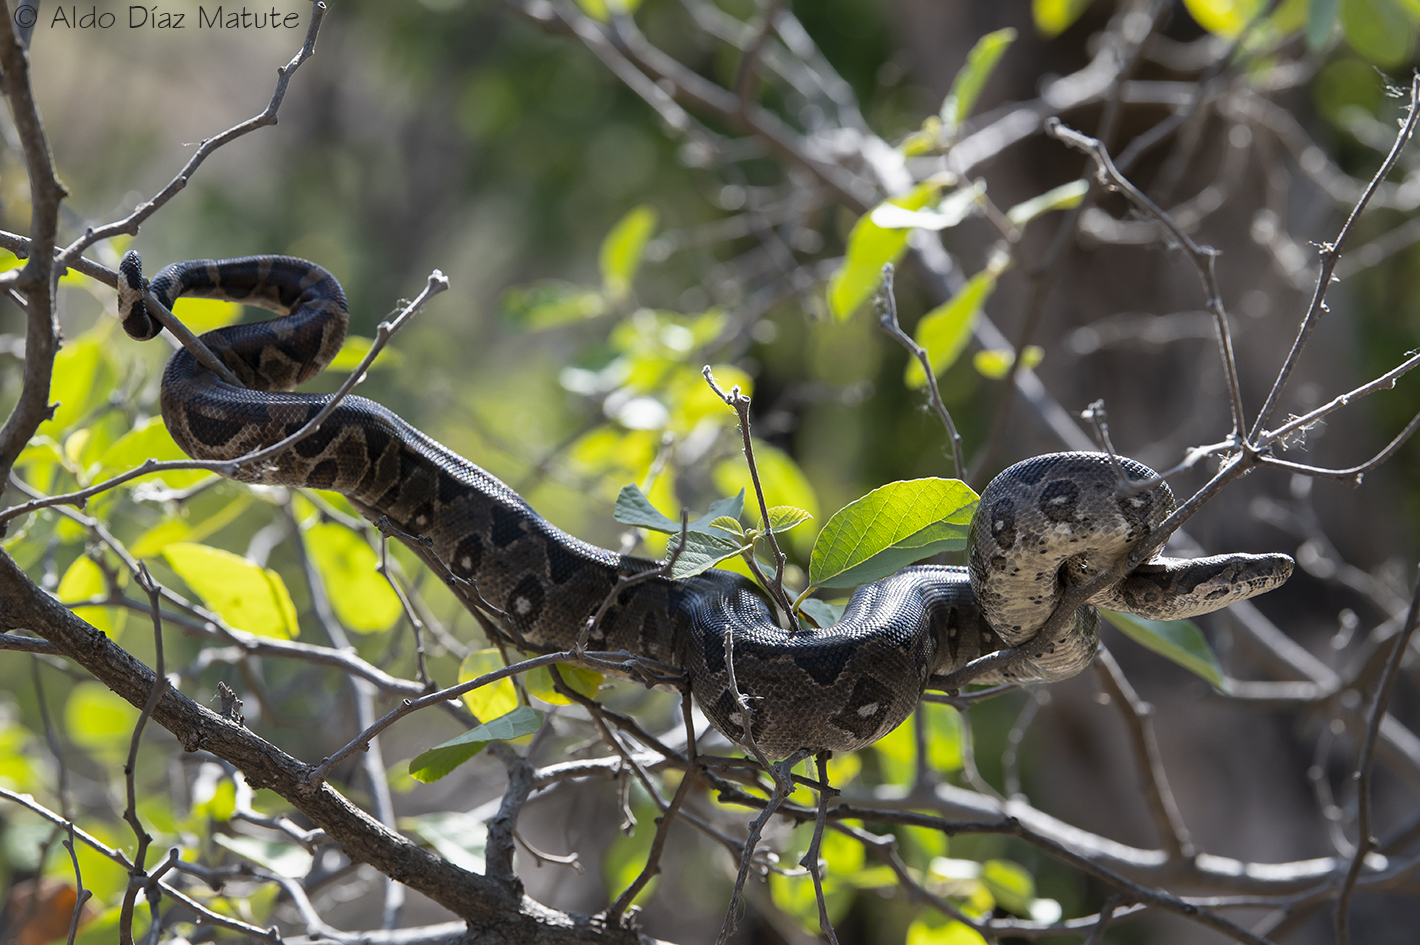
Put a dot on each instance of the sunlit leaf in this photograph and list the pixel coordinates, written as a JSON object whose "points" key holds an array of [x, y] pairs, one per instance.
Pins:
{"points": [[538, 682], [633, 508], [203, 315], [944, 331], [953, 209], [869, 247], [85, 580], [1010, 883], [491, 700], [438, 761], [353, 351], [551, 302], [246, 596], [81, 381], [951, 932], [1227, 18], [783, 481], [165, 533], [971, 78], [890, 527], [456, 836], [622, 250], [702, 552], [1053, 17], [148, 440], [785, 517], [281, 857], [1057, 198], [1178, 640], [98, 720], [362, 599], [996, 363]]}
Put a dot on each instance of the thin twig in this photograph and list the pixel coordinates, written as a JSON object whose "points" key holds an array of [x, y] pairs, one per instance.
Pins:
{"points": [[1365, 843], [886, 303], [811, 860]]}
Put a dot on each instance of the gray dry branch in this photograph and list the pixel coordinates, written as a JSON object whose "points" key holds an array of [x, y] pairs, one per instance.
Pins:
{"points": [[838, 162]]}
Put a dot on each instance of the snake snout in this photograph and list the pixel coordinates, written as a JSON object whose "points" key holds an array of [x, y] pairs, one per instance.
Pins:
{"points": [[1171, 588]]}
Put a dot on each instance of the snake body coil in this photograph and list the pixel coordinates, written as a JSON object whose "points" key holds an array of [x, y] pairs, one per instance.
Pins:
{"points": [[1042, 525]]}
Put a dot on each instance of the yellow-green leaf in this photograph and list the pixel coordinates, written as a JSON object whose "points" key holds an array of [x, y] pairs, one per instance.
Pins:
{"points": [[165, 533], [891, 527], [951, 932], [247, 597], [353, 351], [1057, 198], [81, 381], [281, 857], [203, 315], [438, 761], [1053, 17], [99, 721], [1227, 18], [1378, 30], [1178, 640], [622, 250], [84, 580], [944, 331], [869, 247], [363, 600], [971, 78], [996, 363], [491, 700], [538, 682], [148, 440]]}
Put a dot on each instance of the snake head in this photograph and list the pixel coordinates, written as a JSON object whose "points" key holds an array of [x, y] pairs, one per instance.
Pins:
{"points": [[1172, 588]]}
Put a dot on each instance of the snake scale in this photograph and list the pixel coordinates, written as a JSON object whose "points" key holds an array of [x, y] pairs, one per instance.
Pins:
{"points": [[1042, 524]]}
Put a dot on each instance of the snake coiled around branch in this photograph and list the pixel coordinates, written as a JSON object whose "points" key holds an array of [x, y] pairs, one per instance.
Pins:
{"points": [[1043, 525]]}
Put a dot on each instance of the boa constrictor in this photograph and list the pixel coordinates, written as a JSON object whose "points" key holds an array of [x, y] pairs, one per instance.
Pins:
{"points": [[1041, 525]]}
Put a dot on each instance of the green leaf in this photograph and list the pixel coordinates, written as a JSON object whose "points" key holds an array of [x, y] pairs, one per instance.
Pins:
{"points": [[1057, 198], [429, 766], [731, 525], [1227, 18], [1053, 17], [455, 835], [85, 580], [922, 932], [1321, 21], [538, 682], [282, 858], [245, 596], [784, 483], [203, 315], [1178, 640], [1378, 30], [890, 527], [702, 552], [362, 599], [945, 330], [1011, 884], [98, 720], [823, 613], [491, 700], [165, 533], [971, 78], [954, 208], [353, 351], [622, 250], [148, 440], [869, 247], [785, 517], [552, 302], [82, 379], [633, 508], [996, 363]]}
